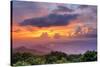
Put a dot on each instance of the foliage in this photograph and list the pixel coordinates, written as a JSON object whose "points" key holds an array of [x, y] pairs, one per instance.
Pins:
{"points": [[56, 57], [74, 58], [89, 56], [21, 63], [20, 59]]}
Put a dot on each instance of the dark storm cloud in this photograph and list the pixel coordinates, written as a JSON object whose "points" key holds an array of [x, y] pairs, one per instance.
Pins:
{"points": [[50, 20]]}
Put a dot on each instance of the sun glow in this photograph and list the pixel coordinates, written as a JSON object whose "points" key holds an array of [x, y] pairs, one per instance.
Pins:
{"points": [[64, 31]]}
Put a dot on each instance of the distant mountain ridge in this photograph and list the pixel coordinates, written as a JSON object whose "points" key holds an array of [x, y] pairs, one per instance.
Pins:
{"points": [[35, 50]]}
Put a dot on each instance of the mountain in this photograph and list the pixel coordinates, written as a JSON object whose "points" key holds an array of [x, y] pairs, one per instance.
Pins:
{"points": [[36, 50]]}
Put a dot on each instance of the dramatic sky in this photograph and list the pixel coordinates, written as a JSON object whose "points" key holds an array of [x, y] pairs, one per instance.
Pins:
{"points": [[35, 22]]}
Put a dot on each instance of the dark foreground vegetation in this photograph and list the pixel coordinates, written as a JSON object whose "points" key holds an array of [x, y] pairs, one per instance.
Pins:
{"points": [[20, 59]]}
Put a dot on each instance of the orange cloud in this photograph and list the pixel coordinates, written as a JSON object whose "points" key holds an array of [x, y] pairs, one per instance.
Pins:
{"points": [[34, 32]]}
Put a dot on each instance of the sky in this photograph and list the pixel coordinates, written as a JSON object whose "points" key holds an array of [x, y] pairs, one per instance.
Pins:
{"points": [[36, 22]]}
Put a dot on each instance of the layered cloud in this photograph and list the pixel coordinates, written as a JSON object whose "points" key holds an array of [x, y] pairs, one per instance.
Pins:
{"points": [[25, 10], [32, 19], [50, 20]]}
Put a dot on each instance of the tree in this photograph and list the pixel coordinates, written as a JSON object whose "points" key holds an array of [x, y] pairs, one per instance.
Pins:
{"points": [[21, 59], [36, 60], [56, 57], [89, 56], [21, 63]]}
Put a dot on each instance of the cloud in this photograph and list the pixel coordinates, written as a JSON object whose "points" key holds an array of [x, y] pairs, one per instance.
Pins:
{"points": [[83, 6], [87, 14], [43, 14], [24, 10], [50, 20], [62, 9]]}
